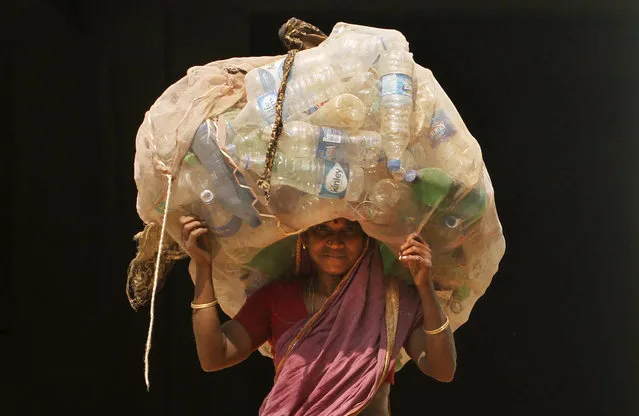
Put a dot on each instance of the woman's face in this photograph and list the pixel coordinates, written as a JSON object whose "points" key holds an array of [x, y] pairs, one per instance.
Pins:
{"points": [[335, 245]]}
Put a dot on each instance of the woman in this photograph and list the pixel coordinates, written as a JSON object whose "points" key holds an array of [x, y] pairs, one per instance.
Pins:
{"points": [[334, 335]]}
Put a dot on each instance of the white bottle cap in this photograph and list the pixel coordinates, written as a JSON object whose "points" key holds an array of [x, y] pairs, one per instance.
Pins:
{"points": [[207, 196]]}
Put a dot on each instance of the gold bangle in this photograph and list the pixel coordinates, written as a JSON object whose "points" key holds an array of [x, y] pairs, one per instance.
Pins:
{"points": [[203, 305], [438, 330]]}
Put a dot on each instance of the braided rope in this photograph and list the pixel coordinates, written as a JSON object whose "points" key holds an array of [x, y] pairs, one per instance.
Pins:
{"points": [[264, 182]]}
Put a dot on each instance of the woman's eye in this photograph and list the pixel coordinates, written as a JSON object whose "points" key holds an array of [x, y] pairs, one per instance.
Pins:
{"points": [[321, 232]]}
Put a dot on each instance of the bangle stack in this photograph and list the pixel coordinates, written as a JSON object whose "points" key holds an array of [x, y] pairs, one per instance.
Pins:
{"points": [[204, 305], [438, 330]]}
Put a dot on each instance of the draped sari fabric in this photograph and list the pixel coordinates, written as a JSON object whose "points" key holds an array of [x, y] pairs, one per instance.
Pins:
{"points": [[334, 362]]}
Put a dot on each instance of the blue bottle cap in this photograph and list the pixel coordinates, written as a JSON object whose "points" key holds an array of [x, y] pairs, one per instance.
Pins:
{"points": [[393, 164]]}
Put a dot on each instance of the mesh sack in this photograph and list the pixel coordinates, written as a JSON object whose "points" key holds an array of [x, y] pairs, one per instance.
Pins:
{"points": [[366, 134]]}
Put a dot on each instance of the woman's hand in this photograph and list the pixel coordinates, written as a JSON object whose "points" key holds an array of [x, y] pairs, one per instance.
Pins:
{"points": [[415, 254], [196, 241]]}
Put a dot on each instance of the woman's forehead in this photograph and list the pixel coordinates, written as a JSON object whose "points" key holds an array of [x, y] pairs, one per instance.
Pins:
{"points": [[338, 223]]}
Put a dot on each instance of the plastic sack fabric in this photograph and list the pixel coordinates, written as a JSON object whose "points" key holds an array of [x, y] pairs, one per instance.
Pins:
{"points": [[367, 134]]}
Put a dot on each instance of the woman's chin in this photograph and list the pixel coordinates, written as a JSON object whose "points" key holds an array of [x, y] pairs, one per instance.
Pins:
{"points": [[335, 271]]}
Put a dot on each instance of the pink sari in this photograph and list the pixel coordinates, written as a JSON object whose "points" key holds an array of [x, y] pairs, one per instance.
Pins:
{"points": [[334, 362]]}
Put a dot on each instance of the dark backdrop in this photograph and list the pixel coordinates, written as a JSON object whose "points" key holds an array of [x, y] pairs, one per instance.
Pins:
{"points": [[551, 93]]}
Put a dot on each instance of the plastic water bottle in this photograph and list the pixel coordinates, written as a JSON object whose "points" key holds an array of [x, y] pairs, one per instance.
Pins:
{"points": [[344, 111], [323, 178], [304, 140], [229, 187], [387, 193], [407, 167], [308, 86], [390, 39], [251, 144], [396, 69], [301, 139], [365, 148], [366, 87], [386, 196], [263, 80], [308, 91], [197, 180]]}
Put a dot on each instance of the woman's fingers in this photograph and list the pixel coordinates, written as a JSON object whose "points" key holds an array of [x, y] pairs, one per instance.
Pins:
{"points": [[420, 251], [414, 240], [195, 234], [189, 227], [193, 246], [184, 219], [416, 258]]}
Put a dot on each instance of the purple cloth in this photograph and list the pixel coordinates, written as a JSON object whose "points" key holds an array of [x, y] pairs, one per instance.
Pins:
{"points": [[336, 362]]}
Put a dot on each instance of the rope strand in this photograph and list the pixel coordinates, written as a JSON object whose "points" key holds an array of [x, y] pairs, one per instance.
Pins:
{"points": [[155, 285]]}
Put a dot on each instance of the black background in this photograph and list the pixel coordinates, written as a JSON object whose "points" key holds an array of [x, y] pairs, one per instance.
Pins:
{"points": [[551, 93]]}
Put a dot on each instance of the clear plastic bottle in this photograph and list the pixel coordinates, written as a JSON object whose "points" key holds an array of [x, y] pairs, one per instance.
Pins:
{"points": [[396, 70], [314, 79], [304, 140], [365, 148], [366, 87], [196, 179], [407, 168], [387, 193], [389, 38], [344, 111], [234, 197], [301, 139], [386, 196], [314, 176], [308, 91], [263, 80], [250, 144]]}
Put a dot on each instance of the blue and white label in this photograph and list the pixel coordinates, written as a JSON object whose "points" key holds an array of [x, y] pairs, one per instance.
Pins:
{"points": [[335, 180], [315, 108], [397, 84], [330, 143], [441, 128], [332, 135], [267, 104]]}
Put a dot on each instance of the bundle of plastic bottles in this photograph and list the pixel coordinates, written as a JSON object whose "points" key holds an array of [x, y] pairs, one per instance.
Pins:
{"points": [[367, 134]]}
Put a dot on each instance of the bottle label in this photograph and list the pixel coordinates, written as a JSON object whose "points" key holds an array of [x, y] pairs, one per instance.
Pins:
{"points": [[267, 104], [330, 143], [335, 180], [397, 84], [229, 229], [315, 108], [441, 128]]}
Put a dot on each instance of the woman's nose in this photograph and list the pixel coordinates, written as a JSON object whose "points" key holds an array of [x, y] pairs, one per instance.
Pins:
{"points": [[335, 242]]}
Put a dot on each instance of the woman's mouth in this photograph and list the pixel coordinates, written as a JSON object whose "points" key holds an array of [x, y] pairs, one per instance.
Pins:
{"points": [[334, 256]]}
